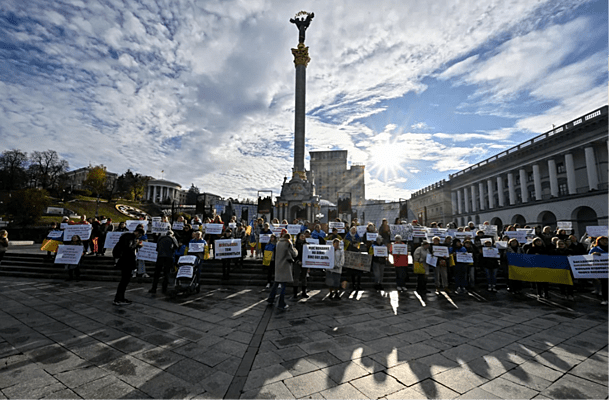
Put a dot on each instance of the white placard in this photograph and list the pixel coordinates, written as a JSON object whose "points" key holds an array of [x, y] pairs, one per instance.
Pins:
{"points": [[68, 254], [312, 241], [196, 227], [294, 229], [398, 248], [147, 252], [370, 236], [340, 226], [276, 230], [156, 219], [185, 271], [431, 260], [521, 236], [63, 225], [178, 226], [160, 227], [404, 230], [466, 258], [589, 266], [484, 240], [265, 237], [596, 231], [464, 235], [529, 231], [112, 239], [418, 231], [361, 230], [83, 231], [566, 225], [227, 248], [490, 252], [317, 256], [213, 229], [196, 247], [440, 251], [55, 234], [132, 224], [232, 225], [501, 245], [380, 251], [187, 260]]}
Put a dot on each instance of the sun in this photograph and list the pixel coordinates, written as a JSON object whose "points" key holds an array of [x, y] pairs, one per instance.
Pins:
{"points": [[384, 161]]}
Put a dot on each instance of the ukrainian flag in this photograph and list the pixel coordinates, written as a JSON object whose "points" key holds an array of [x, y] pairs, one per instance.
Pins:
{"points": [[538, 268]]}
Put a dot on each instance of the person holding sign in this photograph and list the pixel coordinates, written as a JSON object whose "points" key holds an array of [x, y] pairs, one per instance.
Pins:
{"points": [[537, 247], [300, 273], [165, 248], [333, 275], [379, 261], [125, 251], [197, 247], [268, 260], [285, 254], [600, 247], [74, 269], [419, 259], [460, 267], [514, 286], [441, 253], [490, 265], [399, 249]]}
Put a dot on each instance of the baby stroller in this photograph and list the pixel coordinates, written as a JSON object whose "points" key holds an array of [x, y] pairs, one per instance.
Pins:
{"points": [[187, 276]]}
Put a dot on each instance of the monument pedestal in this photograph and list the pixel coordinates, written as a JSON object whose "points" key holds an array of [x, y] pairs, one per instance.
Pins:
{"points": [[298, 199]]}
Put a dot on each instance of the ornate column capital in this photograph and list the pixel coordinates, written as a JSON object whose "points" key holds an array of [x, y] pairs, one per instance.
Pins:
{"points": [[301, 55]]}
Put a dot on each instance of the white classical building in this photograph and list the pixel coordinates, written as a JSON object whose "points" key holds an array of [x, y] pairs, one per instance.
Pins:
{"points": [[160, 190], [560, 175]]}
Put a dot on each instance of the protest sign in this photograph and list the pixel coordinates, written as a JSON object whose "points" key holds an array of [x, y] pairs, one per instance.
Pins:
{"points": [[213, 229], [83, 231], [431, 260], [159, 227], [227, 248], [489, 230], [55, 235], [464, 235], [530, 232], [185, 271], [521, 236], [440, 251], [196, 227], [232, 225], [133, 223], [178, 226], [68, 254], [466, 258], [380, 251], [361, 230], [276, 230], [484, 240], [566, 225], [596, 231], [405, 231], [370, 236], [112, 239], [294, 229], [147, 252], [501, 245], [340, 226], [265, 237], [418, 231], [196, 248], [63, 225], [317, 256], [397, 248], [589, 266], [490, 252], [358, 261], [312, 241]]}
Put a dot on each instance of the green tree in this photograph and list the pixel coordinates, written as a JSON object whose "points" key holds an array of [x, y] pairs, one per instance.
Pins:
{"points": [[13, 164], [97, 181], [26, 206], [132, 186]]}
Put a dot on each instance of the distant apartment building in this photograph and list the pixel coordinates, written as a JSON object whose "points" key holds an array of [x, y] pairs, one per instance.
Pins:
{"points": [[74, 179], [332, 176]]}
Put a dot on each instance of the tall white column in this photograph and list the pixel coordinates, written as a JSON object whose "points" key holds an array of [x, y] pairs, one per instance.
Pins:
{"points": [[537, 182], [453, 201], [500, 193], [524, 193], [553, 179], [511, 188], [591, 168], [474, 200], [460, 200], [491, 193], [154, 194], [481, 194], [466, 200], [570, 167]]}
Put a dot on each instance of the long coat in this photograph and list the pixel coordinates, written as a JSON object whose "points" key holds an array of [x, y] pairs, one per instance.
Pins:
{"points": [[285, 253]]}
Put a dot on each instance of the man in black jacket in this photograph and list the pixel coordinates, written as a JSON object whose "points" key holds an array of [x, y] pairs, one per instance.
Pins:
{"points": [[125, 251], [165, 248]]}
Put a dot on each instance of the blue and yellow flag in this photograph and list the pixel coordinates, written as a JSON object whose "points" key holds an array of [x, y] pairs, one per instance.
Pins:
{"points": [[538, 268]]}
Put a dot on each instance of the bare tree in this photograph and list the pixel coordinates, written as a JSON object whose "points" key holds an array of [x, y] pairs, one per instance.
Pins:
{"points": [[46, 167], [13, 164]]}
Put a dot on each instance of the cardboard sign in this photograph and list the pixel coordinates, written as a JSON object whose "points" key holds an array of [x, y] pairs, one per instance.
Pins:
{"points": [[371, 236], [83, 231], [361, 230], [380, 251], [294, 229], [358, 261], [589, 266], [132, 224], [317, 256], [596, 231], [490, 252], [397, 248], [196, 248], [440, 251], [147, 252], [213, 229], [265, 237], [178, 226], [68, 254], [340, 226], [112, 239], [227, 248], [466, 258], [312, 241], [185, 271], [431, 260]]}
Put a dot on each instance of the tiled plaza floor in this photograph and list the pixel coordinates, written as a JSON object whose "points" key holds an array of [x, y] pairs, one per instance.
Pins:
{"points": [[67, 340]]}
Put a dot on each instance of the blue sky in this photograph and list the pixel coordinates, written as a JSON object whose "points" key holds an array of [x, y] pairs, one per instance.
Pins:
{"points": [[205, 90]]}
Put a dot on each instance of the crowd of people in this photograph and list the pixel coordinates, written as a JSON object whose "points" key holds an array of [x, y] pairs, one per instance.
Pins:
{"points": [[281, 254]]}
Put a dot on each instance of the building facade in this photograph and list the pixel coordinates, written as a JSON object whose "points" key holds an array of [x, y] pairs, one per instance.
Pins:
{"points": [[160, 191], [560, 175], [432, 204], [74, 179], [332, 177]]}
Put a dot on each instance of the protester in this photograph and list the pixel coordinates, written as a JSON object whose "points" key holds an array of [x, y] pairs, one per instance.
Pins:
{"points": [[460, 267], [600, 247], [333, 274], [284, 257], [125, 251], [74, 269], [378, 264], [165, 247], [269, 260], [400, 262], [421, 268], [3, 243], [300, 273]]}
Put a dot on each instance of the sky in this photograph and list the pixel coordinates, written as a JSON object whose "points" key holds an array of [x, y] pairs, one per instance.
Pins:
{"points": [[202, 92]]}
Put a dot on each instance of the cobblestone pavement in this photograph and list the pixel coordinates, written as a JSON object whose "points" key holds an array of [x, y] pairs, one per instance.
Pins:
{"points": [[67, 340]]}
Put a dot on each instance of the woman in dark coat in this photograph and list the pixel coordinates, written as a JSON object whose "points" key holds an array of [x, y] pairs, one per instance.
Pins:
{"points": [[285, 253]]}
